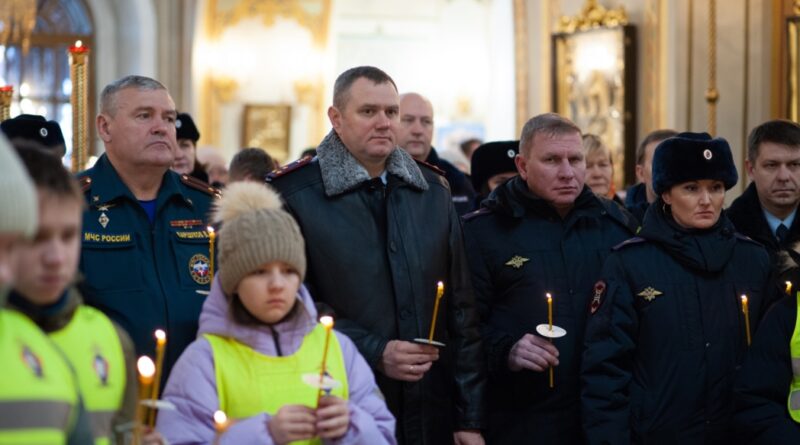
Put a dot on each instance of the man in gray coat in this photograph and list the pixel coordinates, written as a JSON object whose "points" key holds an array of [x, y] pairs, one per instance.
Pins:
{"points": [[380, 232]]}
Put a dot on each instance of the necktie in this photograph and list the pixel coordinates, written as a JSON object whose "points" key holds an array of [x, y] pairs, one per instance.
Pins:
{"points": [[782, 232]]}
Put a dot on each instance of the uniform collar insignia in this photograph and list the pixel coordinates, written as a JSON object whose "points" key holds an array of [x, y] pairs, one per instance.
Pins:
{"points": [[649, 293], [517, 261]]}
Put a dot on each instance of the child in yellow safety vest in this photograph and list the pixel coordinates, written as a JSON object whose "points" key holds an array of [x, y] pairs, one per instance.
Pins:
{"points": [[100, 352], [259, 352]]}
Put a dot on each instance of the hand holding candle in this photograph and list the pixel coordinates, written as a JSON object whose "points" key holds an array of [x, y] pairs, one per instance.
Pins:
{"points": [[746, 312], [211, 236]]}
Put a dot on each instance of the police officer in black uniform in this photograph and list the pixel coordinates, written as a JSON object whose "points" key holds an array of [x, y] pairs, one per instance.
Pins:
{"points": [[541, 232], [669, 329], [145, 249]]}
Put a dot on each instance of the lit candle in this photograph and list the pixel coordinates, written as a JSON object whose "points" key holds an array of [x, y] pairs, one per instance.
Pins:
{"points": [[327, 322], [439, 294], [746, 312], [211, 237], [6, 94], [220, 425], [788, 288], [79, 99], [147, 370], [161, 344], [550, 326]]}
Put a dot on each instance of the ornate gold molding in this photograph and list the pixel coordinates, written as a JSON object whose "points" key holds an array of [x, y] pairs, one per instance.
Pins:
{"points": [[592, 15], [215, 92], [312, 94], [311, 14]]}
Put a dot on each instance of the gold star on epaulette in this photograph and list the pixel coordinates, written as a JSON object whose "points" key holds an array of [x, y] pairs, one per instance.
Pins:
{"points": [[517, 261], [649, 293]]}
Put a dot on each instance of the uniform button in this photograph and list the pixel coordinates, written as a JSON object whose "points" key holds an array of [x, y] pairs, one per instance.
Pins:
{"points": [[392, 246]]}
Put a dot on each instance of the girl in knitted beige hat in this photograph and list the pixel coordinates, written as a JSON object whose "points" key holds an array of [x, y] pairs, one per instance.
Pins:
{"points": [[259, 337]]}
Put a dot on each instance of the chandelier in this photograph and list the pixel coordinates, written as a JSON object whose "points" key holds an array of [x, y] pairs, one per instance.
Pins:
{"points": [[17, 20]]}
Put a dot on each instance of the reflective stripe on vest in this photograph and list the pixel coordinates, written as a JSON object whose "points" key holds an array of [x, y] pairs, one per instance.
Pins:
{"points": [[794, 347], [38, 392], [92, 345], [249, 383]]}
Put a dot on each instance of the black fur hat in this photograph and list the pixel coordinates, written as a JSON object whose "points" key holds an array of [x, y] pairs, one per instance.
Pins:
{"points": [[35, 128], [690, 157], [492, 158], [185, 128]]}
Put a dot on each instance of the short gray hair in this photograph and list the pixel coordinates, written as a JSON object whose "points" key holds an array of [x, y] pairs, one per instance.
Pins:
{"points": [[107, 97], [550, 124]]}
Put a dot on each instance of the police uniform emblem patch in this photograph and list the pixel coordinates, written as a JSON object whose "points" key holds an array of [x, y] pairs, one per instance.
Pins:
{"points": [[517, 261], [649, 293], [199, 269], [597, 300], [100, 365], [32, 361]]}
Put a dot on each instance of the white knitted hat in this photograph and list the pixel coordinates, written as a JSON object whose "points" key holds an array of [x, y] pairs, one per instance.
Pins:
{"points": [[18, 201]]}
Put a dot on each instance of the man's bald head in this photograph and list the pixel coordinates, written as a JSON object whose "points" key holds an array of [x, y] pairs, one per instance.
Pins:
{"points": [[415, 132]]}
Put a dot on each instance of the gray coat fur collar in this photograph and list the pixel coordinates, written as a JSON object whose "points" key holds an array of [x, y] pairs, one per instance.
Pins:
{"points": [[341, 172]]}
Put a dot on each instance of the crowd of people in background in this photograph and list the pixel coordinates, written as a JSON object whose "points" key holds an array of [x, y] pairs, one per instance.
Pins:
{"points": [[524, 301]]}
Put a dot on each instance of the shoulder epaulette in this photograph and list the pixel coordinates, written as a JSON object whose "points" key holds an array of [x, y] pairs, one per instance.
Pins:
{"points": [[85, 182], [191, 181], [629, 242], [431, 166], [288, 168], [476, 213]]}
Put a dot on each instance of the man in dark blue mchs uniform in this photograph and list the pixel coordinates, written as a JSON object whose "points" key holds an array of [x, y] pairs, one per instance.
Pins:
{"points": [[145, 250]]}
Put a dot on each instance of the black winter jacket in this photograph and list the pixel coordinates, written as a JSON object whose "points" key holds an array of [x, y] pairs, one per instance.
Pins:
{"points": [[665, 342], [374, 256], [519, 248]]}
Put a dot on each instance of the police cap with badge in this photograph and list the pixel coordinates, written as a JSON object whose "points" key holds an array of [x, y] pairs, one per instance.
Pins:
{"points": [[35, 128], [492, 158], [185, 128], [691, 157]]}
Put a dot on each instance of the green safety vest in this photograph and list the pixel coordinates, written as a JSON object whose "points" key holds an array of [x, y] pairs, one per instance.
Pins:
{"points": [[92, 346], [250, 383], [794, 390], [38, 391]]}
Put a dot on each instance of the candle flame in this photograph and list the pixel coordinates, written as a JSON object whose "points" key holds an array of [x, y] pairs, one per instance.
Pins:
{"points": [[744, 299], [549, 297], [210, 230], [161, 337], [440, 286], [220, 418], [78, 44], [326, 321], [788, 286], [146, 367]]}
